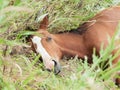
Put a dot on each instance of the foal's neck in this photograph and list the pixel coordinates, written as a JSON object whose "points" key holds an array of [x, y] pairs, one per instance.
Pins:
{"points": [[71, 44]]}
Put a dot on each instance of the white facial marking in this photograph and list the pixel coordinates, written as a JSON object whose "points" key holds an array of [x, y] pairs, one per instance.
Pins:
{"points": [[47, 59]]}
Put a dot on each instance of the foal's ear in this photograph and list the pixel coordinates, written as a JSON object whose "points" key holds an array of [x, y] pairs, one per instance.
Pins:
{"points": [[44, 23]]}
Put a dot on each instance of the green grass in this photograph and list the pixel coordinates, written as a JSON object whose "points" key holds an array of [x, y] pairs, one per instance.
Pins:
{"points": [[21, 70]]}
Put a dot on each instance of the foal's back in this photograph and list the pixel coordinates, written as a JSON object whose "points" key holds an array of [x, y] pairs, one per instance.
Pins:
{"points": [[101, 28]]}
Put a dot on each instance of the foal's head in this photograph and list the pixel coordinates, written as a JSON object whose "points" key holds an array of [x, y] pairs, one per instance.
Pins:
{"points": [[46, 47]]}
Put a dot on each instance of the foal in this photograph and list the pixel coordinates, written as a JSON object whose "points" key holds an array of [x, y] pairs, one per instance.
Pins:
{"points": [[80, 42]]}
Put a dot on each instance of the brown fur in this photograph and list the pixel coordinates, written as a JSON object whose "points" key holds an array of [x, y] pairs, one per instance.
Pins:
{"points": [[81, 41]]}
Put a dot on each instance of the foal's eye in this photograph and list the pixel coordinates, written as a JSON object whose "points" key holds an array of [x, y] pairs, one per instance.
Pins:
{"points": [[48, 39]]}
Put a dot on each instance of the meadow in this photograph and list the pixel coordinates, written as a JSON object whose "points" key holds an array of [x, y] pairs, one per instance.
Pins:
{"points": [[20, 68]]}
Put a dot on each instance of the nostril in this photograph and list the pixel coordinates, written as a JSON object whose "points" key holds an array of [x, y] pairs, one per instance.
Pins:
{"points": [[57, 67], [55, 63]]}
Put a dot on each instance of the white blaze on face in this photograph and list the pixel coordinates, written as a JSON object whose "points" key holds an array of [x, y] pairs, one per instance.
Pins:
{"points": [[47, 59]]}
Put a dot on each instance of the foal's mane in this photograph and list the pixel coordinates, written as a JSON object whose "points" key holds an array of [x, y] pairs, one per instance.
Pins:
{"points": [[80, 30]]}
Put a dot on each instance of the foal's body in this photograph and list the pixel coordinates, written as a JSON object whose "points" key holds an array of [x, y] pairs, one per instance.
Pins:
{"points": [[96, 32], [80, 42]]}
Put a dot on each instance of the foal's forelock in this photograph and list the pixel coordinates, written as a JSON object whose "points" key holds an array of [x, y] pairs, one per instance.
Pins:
{"points": [[47, 59]]}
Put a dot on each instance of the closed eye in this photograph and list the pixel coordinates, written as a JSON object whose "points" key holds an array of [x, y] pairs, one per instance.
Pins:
{"points": [[48, 39]]}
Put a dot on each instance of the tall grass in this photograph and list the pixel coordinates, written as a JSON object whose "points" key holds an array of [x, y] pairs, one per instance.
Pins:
{"points": [[19, 67]]}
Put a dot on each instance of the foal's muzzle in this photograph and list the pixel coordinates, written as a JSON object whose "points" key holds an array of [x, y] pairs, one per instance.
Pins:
{"points": [[57, 67]]}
